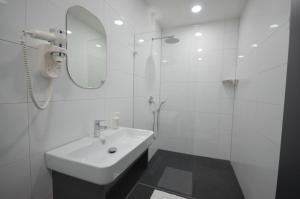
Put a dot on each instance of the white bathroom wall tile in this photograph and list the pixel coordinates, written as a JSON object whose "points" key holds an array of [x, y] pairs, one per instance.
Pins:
{"points": [[208, 91], [212, 35], [205, 74], [170, 52], [206, 127], [119, 85], [15, 180], [205, 148], [12, 74], [180, 145], [177, 105], [260, 159], [183, 105], [12, 15], [258, 109], [278, 44], [224, 145], [41, 180], [146, 87], [229, 64], [209, 68], [269, 121], [174, 74], [177, 124], [210, 58], [232, 26], [121, 105], [44, 14], [226, 122], [227, 91], [120, 57], [94, 6], [246, 89], [227, 106], [123, 34], [231, 40], [245, 116], [63, 122], [249, 65], [271, 86], [255, 25], [14, 133], [143, 117], [136, 12], [167, 143], [153, 149], [174, 91], [194, 91], [205, 106], [204, 97], [147, 61]]}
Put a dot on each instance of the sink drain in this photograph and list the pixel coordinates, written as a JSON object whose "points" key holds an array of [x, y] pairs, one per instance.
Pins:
{"points": [[112, 150]]}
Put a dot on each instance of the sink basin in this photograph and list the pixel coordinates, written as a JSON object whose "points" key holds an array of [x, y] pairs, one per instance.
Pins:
{"points": [[90, 160]]}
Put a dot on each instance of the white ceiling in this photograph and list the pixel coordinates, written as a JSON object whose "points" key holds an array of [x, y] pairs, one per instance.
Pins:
{"points": [[172, 13]]}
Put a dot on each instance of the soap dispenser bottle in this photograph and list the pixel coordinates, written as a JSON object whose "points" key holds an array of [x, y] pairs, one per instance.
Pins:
{"points": [[115, 120]]}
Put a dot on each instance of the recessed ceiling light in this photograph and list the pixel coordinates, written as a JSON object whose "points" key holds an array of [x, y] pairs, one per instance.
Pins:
{"points": [[196, 8], [69, 32], [119, 22], [274, 26], [199, 49], [200, 59], [164, 61], [98, 46], [241, 56], [254, 45], [141, 40], [198, 34]]}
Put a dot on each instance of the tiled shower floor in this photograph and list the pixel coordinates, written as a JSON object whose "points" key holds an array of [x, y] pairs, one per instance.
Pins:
{"points": [[187, 176]]}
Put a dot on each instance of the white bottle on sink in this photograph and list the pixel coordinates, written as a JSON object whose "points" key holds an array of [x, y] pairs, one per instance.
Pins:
{"points": [[115, 120]]}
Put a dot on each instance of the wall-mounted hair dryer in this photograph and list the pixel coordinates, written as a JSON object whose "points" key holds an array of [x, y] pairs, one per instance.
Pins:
{"points": [[51, 56]]}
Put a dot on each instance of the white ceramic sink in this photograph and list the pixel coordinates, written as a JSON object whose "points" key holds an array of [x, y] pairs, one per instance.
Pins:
{"points": [[88, 158]]}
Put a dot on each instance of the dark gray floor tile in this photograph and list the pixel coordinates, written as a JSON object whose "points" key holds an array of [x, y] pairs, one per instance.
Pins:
{"points": [[140, 192], [177, 180], [211, 178]]}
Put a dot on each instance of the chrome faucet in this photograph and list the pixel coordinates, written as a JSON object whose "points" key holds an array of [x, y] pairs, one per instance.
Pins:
{"points": [[98, 128]]}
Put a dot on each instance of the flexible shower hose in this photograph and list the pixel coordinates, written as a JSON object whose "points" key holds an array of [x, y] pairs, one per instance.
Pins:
{"points": [[39, 106]]}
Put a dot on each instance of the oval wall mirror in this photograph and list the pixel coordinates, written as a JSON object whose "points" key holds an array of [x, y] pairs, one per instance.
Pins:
{"points": [[87, 48]]}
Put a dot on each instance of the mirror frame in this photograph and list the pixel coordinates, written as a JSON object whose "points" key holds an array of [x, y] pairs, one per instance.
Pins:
{"points": [[67, 66]]}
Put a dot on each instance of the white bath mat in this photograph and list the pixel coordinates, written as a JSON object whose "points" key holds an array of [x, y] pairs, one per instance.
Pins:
{"points": [[163, 195]]}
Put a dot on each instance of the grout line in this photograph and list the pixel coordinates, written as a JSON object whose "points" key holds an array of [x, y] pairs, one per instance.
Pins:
{"points": [[82, 99], [17, 43], [28, 115], [11, 103], [133, 80], [13, 162]]}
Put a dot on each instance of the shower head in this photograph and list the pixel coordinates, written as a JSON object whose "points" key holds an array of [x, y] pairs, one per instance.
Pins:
{"points": [[172, 40], [168, 39]]}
